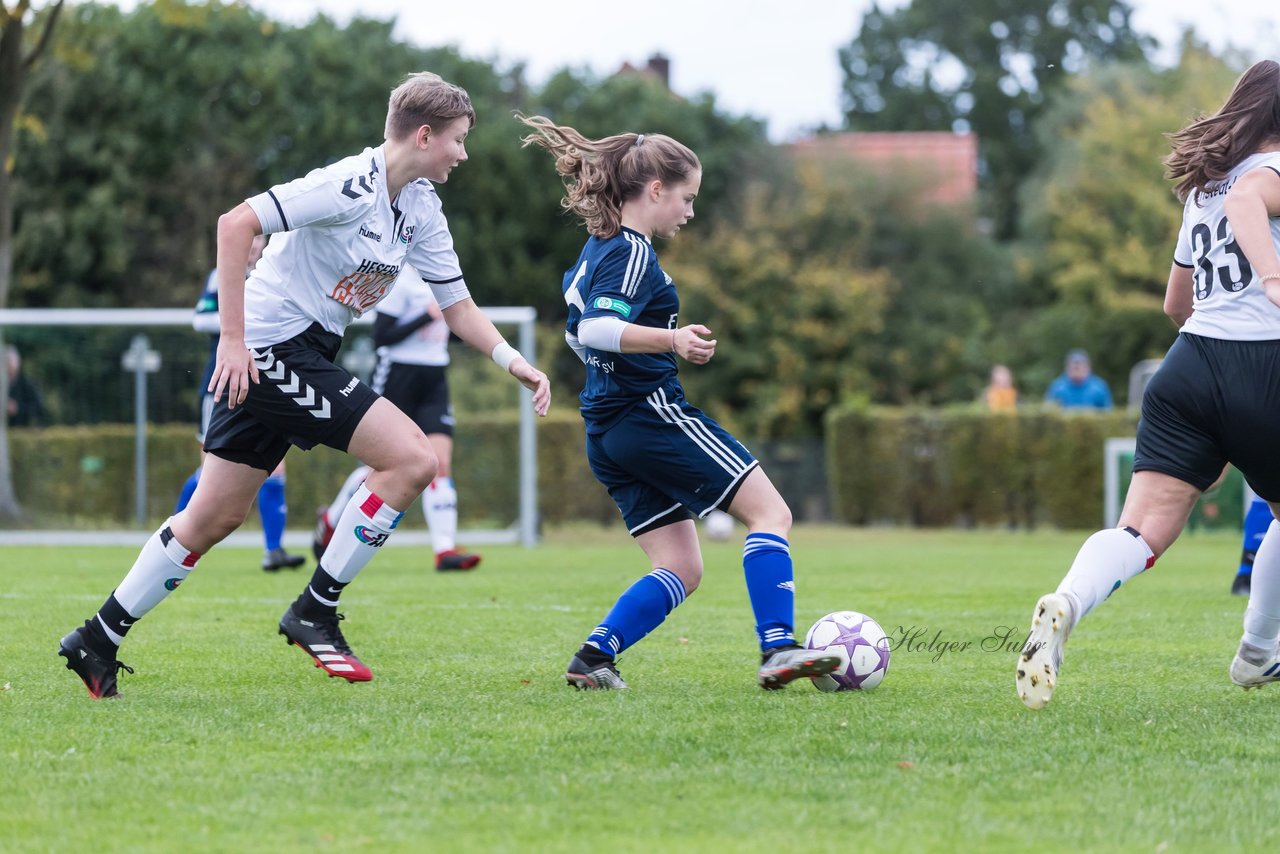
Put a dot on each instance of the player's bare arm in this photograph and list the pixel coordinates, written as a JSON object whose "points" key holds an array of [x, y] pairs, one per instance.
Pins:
{"points": [[687, 341], [466, 320], [1249, 206], [1178, 301], [234, 367]]}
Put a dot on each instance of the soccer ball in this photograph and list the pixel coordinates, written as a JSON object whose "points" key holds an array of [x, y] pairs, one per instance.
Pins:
{"points": [[860, 641], [718, 525]]}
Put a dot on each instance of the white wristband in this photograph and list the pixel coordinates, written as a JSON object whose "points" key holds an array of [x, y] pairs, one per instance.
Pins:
{"points": [[504, 354]]}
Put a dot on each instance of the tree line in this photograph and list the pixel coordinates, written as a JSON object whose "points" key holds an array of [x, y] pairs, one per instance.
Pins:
{"points": [[824, 283]]}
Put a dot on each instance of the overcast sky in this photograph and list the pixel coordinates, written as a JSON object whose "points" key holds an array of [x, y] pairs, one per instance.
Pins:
{"points": [[773, 59]]}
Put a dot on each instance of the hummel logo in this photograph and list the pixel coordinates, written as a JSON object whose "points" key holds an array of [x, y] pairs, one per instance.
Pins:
{"points": [[276, 370]]}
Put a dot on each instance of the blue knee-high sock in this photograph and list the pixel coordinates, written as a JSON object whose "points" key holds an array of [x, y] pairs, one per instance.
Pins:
{"points": [[273, 510], [188, 489], [1256, 522], [638, 611], [766, 562]]}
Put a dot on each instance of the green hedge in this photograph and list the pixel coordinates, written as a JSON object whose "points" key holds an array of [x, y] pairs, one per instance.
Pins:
{"points": [[934, 467], [83, 477], [964, 466]]}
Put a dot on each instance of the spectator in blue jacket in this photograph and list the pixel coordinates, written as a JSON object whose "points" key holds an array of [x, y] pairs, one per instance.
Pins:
{"points": [[1078, 387]]}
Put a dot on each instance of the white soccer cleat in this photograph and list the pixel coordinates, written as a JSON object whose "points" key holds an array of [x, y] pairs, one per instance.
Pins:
{"points": [[1248, 675], [601, 677], [1041, 655]]}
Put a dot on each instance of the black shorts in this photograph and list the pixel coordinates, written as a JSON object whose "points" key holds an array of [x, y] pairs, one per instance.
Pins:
{"points": [[420, 391], [1213, 402], [302, 398]]}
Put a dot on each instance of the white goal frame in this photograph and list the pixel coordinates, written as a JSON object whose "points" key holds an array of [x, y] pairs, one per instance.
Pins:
{"points": [[525, 529], [1113, 451]]}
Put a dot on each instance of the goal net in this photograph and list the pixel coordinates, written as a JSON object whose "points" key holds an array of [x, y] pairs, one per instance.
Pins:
{"points": [[143, 368]]}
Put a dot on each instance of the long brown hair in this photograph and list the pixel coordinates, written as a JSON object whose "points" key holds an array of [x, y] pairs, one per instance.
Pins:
{"points": [[1206, 150], [600, 174]]}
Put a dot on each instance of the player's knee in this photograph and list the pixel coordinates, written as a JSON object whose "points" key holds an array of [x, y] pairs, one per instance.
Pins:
{"points": [[229, 519], [420, 468], [776, 518], [206, 528], [690, 574]]}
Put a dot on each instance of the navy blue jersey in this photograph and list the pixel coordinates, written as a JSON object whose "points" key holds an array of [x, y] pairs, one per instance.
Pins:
{"points": [[620, 278]]}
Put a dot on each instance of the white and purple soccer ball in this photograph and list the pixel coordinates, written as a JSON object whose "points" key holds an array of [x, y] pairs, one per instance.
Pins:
{"points": [[860, 641]]}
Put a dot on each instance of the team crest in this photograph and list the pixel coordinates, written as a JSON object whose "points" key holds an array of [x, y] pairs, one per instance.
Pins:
{"points": [[610, 304]]}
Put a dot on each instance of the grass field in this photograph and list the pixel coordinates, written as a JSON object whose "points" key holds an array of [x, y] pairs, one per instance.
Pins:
{"points": [[468, 739]]}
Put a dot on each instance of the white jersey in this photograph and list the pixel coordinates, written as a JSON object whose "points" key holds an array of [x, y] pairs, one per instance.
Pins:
{"points": [[340, 244], [409, 300], [1229, 300]]}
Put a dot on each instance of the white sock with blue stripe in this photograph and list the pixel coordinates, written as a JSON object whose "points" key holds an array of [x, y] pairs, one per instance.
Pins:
{"points": [[638, 611]]}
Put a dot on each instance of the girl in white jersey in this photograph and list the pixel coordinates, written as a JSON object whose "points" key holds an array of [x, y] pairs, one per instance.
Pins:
{"points": [[1215, 399], [343, 234]]}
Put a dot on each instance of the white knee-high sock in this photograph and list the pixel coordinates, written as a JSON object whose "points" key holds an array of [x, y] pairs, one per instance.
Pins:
{"points": [[440, 507], [363, 527], [160, 567], [349, 487], [1105, 561], [1262, 617]]}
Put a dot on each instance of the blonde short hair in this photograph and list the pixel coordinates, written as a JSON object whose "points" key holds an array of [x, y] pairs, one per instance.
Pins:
{"points": [[427, 99]]}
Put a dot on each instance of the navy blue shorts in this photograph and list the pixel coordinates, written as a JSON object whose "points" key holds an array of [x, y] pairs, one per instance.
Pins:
{"points": [[664, 461], [301, 398], [1213, 402]]}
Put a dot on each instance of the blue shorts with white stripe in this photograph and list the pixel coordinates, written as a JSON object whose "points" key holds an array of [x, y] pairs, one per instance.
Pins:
{"points": [[665, 460]]}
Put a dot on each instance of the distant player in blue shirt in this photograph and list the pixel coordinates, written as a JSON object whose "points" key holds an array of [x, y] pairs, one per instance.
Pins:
{"points": [[1078, 387], [662, 460]]}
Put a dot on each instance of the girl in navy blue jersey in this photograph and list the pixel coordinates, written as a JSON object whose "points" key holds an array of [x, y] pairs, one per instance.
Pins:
{"points": [[662, 460]]}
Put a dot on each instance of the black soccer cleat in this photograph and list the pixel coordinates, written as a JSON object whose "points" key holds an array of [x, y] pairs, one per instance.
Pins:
{"points": [[97, 673], [322, 640], [278, 559], [783, 665], [1241, 584]]}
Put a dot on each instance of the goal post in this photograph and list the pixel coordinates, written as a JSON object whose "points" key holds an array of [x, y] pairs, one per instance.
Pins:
{"points": [[523, 531], [1117, 454]]}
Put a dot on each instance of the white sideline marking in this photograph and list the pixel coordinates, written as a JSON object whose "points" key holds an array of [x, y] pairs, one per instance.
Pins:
{"points": [[239, 539]]}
